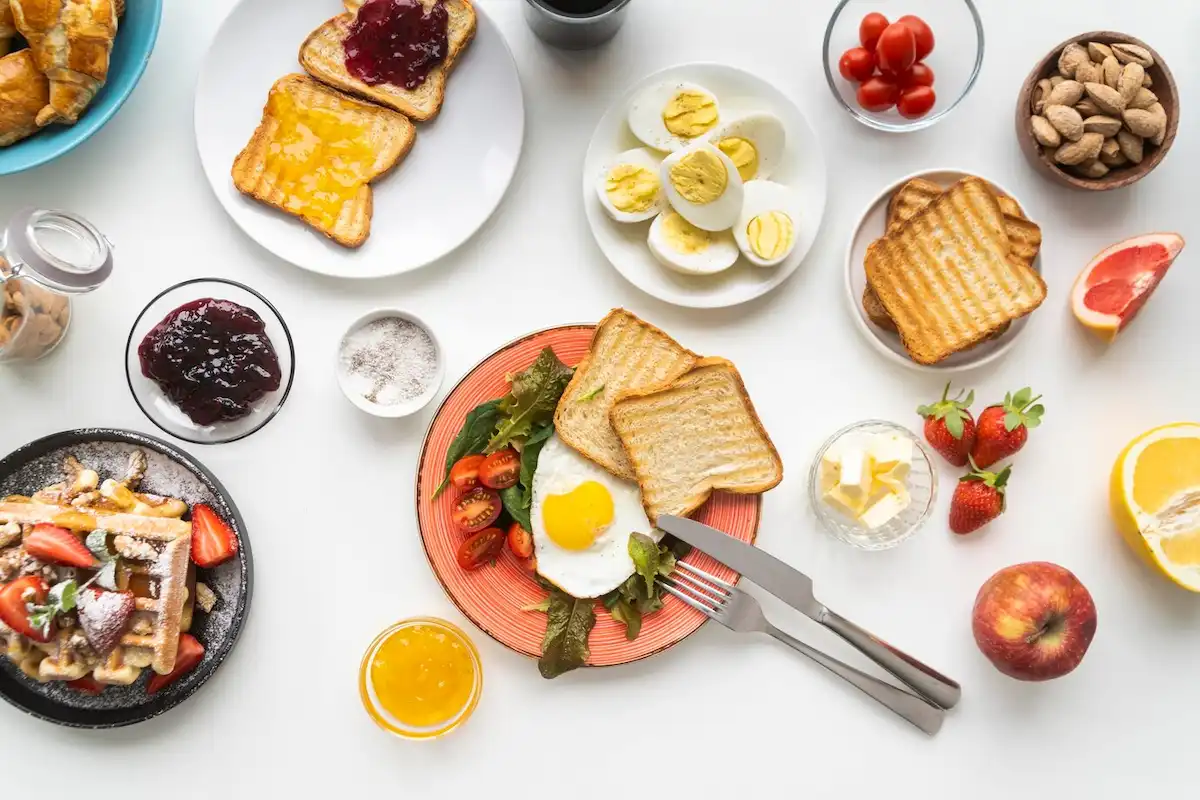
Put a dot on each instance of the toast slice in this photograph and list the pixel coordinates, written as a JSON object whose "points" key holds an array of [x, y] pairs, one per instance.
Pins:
{"points": [[693, 436], [324, 57], [948, 277], [316, 153], [626, 354]]}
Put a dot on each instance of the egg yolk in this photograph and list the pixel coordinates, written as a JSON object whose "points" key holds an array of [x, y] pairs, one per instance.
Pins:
{"points": [[574, 520], [683, 236], [742, 153], [631, 188], [690, 114], [771, 235], [423, 676], [699, 177]]}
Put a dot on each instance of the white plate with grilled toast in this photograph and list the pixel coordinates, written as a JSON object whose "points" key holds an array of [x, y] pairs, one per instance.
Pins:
{"points": [[951, 319], [431, 183], [801, 168]]}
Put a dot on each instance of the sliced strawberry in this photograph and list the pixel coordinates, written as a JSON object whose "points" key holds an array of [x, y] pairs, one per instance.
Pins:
{"points": [[14, 607], [190, 654], [88, 685], [213, 541], [103, 616], [57, 545]]}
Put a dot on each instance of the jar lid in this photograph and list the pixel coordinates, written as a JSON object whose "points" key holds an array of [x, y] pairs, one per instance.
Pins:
{"points": [[59, 250]]}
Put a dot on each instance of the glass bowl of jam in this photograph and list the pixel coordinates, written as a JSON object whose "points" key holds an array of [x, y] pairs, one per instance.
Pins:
{"points": [[421, 678], [210, 361]]}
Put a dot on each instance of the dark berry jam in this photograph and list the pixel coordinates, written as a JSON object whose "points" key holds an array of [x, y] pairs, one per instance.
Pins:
{"points": [[212, 358], [397, 42]]}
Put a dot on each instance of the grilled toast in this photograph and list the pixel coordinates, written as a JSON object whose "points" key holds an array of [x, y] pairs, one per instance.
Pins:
{"points": [[626, 354], [315, 154], [694, 435], [948, 277], [323, 56]]}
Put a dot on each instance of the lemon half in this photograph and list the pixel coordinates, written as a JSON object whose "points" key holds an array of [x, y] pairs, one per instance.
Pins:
{"points": [[1155, 497]]}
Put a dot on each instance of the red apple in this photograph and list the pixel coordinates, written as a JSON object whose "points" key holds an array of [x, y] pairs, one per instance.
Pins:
{"points": [[1034, 621]]}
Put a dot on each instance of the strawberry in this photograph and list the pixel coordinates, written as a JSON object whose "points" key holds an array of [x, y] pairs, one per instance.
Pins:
{"points": [[14, 606], [949, 426], [56, 545], [978, 499], [88, 685], [213, 541], [188, 657], [1003, 429], [103, 616]]}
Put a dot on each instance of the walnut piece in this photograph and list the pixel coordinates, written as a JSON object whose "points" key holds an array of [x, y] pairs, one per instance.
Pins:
{"points": [[10, 533], [134, 549], [206, 598]]}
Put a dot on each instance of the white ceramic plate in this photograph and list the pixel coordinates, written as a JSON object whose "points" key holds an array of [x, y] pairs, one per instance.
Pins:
{"points": [[869, 228], [431, 203], [802, 168]]}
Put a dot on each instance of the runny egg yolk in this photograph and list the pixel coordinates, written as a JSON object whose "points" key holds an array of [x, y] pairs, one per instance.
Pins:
{"points": [[631, 188], [423, 676], [683, 236], [742, 153], [690, 113], [771, 234], [574, 520], [699, 177]]}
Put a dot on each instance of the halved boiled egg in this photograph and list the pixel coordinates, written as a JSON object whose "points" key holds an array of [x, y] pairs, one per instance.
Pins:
{"points": [[703, 185], [670, 116], [681, 246], [754, 143], [767, 228], [630, 186]]}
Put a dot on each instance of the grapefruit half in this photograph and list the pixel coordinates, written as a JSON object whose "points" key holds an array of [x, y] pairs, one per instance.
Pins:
{"points": [[1112, 289]]}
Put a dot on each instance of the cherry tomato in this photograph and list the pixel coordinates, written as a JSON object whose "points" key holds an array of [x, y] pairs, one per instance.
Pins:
{"points": [[476, 509], [878, 94], [897, 49], [501, 469], [529, 565], [857, 64], [871, 27], [519, 541], [919, 75], [922, 32], [480, 548], [916, 101], [465, 472]]}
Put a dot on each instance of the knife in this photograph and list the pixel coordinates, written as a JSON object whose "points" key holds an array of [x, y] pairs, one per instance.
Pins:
{"points": [[796, 589]]}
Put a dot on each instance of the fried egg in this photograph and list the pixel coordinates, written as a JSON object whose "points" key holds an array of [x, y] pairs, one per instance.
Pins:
{"points": [[681, 246], [582, 518], [704, 186], [768, 225], [630, 187], [670, 116], [754, 142]]}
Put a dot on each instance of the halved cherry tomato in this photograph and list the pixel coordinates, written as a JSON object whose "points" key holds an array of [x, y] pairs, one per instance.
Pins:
{"points": [[476, 509], [465, 472], [529, 565], [919, 75], [897, 49], [916, 101], [870, 29], [519, 541], [878, 94], [857, 64], [480, 548], [922, 32], [501, 469]]}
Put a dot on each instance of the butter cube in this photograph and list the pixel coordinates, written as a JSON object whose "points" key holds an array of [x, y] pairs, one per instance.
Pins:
{"points": [[842, 501], [884, 510], [855, 478], [892, 455]]}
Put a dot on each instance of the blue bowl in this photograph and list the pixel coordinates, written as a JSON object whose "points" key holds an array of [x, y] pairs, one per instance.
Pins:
{"points": [[131, 51]]}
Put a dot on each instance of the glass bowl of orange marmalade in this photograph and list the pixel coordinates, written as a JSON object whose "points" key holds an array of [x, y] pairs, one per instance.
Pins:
{"points": [[421, 678]]}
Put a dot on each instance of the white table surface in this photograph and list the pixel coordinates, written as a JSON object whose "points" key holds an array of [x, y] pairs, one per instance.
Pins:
{"points": [[326, 490]]}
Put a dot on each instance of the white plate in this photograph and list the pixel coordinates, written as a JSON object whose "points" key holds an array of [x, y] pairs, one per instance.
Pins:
{"points": [[802, 168], [869, 228], [442, 193]]}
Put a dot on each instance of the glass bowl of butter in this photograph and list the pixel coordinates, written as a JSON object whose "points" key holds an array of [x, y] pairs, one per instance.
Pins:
{"points": [[873, 484]]}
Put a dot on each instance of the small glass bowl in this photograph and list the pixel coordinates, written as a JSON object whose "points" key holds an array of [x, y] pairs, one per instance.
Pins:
{"points": [[956, 58], [165, 414], [922, 487], [407, 407], [389, 723]]}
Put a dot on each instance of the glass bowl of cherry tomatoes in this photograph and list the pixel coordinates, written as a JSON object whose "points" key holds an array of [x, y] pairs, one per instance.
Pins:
{"points": [[902, 65]]}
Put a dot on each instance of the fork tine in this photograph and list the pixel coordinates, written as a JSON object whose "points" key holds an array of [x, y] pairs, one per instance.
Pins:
{"points": [[718, 595], [673, 589], [713, 579]]}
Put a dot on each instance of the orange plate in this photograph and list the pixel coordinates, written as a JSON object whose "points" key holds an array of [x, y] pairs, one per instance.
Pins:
{"points": [[492, 597]]}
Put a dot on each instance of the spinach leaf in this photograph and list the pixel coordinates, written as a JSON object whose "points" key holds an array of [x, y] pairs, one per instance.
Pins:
{"points": [[531, 399], [542, 605], [514, 503], [569, 622], [472, 437], [529, 461], [678, 547], [627, 614]]}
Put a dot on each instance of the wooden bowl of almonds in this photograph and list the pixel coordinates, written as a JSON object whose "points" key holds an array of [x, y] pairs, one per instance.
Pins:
{"points": [[1099, 112]]}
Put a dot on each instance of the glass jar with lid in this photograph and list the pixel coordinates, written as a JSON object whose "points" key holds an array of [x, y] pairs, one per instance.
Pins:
{"points": [[45, 258]]}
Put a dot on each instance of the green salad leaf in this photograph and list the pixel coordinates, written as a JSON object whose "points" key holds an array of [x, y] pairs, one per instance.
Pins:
{"points": [[569, 622], [625, 613], [532, 397], [472, 438], [639, 595], [513, 499]]}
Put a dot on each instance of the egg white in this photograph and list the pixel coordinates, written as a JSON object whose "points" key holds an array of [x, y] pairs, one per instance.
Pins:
{"points": [[762, 129], [720, 214], [720, 255], [646, 115], [640, 157], [763, 197]]}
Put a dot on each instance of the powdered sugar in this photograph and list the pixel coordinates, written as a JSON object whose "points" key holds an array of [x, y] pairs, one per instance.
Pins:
{"points": [[388, 361]]}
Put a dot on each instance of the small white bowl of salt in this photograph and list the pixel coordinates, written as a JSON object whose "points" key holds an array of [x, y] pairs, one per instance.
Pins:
{"points": [[390, 363]]}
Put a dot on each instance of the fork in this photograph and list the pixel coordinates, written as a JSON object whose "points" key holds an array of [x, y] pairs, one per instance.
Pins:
{"points": [[740, 612]]}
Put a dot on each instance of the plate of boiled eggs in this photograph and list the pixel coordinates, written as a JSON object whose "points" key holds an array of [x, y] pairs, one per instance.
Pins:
{"points": [[704, 185]]}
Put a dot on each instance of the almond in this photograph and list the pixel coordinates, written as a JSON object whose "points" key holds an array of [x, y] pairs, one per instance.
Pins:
{"points": [[1087, 108], [1132, 54], [1106, 126], [1160, 113], [1067, 93], [1143, 99], [1092, 168], [1089, 73], [1110, 153], [1037, 100], [1098, 51], [1147, 81], [1111, 71], [1143, 123], [1106, 98], [1087, 148], [1132, 146], [1066, 121], [1055, 80], [1130, 81], [1044, 132], [1071, 57]]}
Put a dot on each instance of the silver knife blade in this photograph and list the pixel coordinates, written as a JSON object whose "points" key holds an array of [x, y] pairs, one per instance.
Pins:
{"points": [[787, 583]]}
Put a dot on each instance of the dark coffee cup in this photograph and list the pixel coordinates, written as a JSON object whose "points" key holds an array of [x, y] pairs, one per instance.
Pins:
{"points": [[575, 24]]}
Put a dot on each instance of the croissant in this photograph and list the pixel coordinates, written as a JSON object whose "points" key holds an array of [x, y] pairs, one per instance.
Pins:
{"points": [[24, 91], [7, 28], [71, 41]]}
